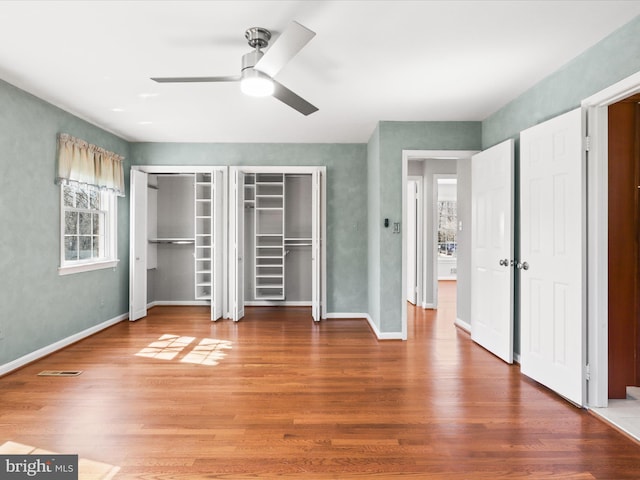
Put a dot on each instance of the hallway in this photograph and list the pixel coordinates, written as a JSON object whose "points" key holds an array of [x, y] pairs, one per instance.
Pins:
{"points": [[275, 395]]}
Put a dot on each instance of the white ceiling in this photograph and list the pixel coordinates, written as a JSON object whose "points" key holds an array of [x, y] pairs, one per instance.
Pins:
{"points": [[370, 61]]}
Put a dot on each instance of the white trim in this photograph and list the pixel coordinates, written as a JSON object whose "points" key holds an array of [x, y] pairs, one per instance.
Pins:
{"points": [[428, 306], [276, 303], [595, 124], [179, 303], [347, 315], [87, 267], [60, 344], [463, 325], [516, 358], [374, 327]]}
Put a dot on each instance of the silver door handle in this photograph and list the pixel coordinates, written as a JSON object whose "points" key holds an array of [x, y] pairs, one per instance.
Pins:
{"points": [[522, 266], [504, 263]]}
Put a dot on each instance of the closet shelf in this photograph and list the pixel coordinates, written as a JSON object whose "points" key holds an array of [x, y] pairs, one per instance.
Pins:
{"points": [[173, 241]]}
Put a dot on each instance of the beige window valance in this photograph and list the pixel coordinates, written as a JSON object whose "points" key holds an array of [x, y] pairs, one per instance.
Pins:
{"points": [[80, 162]]}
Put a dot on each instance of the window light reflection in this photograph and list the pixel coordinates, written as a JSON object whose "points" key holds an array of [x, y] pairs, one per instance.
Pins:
{"points": [[208, 351]]}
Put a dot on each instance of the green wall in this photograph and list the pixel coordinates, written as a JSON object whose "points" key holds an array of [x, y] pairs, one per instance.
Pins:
{"points": [[609, 61], [346, 199], [39, 307], [392, 139]]}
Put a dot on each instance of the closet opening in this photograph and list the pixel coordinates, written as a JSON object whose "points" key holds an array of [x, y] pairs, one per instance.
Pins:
{"points": [[177, 217], [277, 230]]}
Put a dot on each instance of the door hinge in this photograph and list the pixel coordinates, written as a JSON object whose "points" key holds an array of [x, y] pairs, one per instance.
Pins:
{"points": [[587, 143], [587, 372]]}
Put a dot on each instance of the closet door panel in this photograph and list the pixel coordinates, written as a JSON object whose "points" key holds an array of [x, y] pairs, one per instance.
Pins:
{"points": [[138, 246]]}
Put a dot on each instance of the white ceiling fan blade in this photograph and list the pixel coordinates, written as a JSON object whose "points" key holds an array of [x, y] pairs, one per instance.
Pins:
{"points": [[284, 49], [229, 78], [296, 102]]}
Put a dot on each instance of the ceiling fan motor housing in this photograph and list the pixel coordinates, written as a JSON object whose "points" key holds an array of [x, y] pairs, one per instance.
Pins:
{"points": [[258, 37]]}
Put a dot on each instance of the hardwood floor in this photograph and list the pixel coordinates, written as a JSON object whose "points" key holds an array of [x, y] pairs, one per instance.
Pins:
{"points": [[276, 395]]}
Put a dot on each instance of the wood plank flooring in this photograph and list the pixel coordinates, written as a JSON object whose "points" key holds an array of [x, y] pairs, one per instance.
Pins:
{"points": [[174, 396]]}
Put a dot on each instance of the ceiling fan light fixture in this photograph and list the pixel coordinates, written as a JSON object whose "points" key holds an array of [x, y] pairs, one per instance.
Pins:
{"points": [[256, 84]]}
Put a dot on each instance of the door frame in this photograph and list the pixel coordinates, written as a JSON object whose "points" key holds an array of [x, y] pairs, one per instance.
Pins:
{"points": [[424, 155], [595, 128], [285, 169], [188, 169]]}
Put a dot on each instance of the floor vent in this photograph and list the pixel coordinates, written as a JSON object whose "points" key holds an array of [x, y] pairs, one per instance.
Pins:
{"points": [[60, 373]]}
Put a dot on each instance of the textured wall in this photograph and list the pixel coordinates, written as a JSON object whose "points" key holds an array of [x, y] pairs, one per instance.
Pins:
{"points": [[39, 307], [609, 61], [346, 199], [395, 137], [373, 227]]}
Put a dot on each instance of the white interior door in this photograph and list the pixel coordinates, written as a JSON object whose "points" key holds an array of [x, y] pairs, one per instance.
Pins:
{"points": [[552, 225], [217, 230], [237, 232], [492, 249], [138, 246], [412, 261], [316, 247]]}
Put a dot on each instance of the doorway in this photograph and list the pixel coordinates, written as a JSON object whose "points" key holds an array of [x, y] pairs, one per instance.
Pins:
{"points": [[426, 164]]}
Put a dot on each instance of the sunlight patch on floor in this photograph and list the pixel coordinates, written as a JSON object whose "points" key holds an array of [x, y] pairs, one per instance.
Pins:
{"points": [[208, 351]]}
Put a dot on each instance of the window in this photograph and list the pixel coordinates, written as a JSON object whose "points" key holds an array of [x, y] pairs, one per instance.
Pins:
{"points": [[88, 228], [447, 223]]}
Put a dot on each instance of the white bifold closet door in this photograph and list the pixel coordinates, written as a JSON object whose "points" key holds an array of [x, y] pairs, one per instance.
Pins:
{"points": [[552, 196], [316, 247], [236, 223], [138, 246], [492, 274]]}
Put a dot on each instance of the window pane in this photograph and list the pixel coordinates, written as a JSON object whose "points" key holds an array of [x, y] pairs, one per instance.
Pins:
{"points": [[70, 223], [94, 199], [96, 246], [85, 247], [69, 196], [82, 198], [96, 223], [85, 223], [71, 248]]}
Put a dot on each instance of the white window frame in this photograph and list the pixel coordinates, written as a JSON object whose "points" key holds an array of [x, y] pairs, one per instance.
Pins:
{"points": [[109, 205]]}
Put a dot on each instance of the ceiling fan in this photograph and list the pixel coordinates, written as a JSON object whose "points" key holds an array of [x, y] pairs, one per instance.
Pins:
{"points": [[259, 68]]}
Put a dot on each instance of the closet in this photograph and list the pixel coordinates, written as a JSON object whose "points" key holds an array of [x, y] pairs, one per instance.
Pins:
{"points": [[177, 239], [277, 238]]}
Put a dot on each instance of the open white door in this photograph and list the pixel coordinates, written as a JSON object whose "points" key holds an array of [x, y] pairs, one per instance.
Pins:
{"points": [[237, 242], [492, 250], [316, 247], [412, 260], [552, 245], [138, 246], [217, 229]]}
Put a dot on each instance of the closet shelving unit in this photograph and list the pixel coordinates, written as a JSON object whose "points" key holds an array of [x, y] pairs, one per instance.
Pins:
{"points": [[269, 236], [204, 244]]}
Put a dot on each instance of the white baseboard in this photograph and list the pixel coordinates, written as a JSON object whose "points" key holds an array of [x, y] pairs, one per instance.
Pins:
{"points": [[430, 306], [463, 325], [380, 335], [276, 303], [179, 303], [60, 344]]}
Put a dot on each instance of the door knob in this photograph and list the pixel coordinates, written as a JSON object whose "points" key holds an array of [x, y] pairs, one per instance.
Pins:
{"points": [[522, 266], [504, 263]]}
